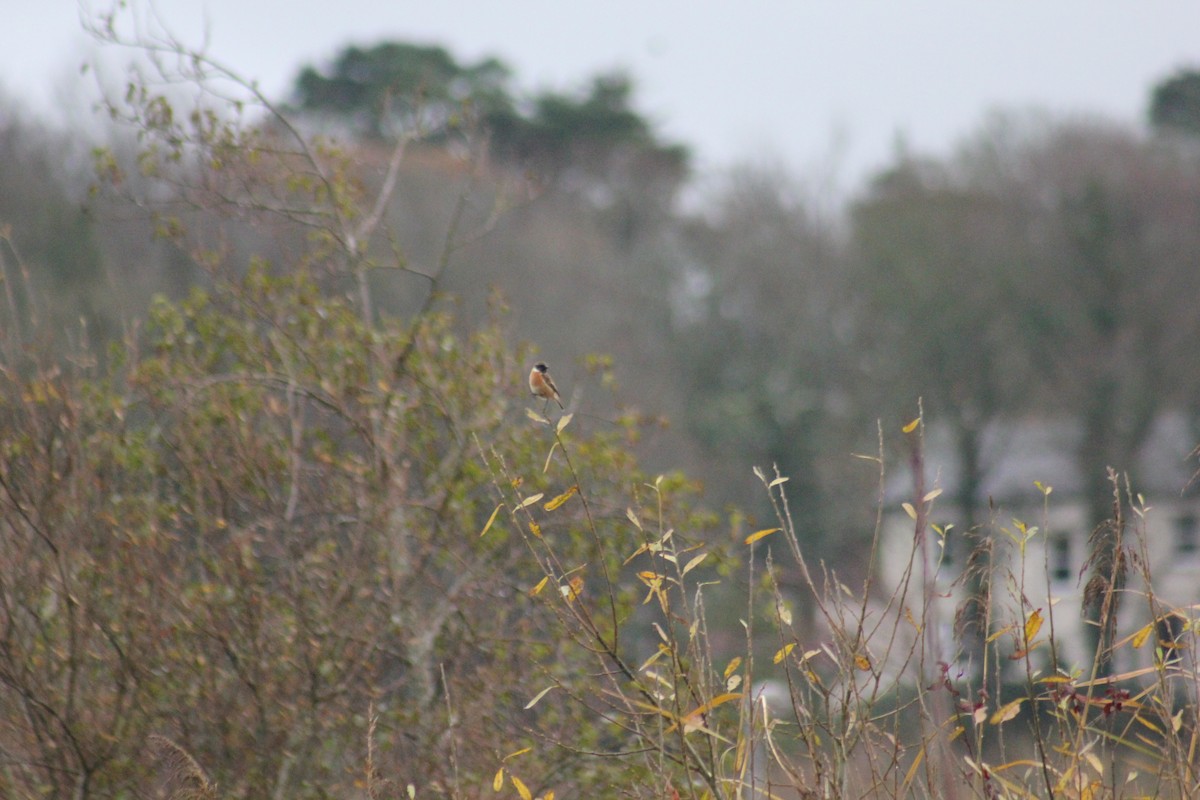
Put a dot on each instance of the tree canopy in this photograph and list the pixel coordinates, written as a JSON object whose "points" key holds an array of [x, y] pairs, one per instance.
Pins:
{"points": [[399, 88], [1175, 103], [395, 86]]}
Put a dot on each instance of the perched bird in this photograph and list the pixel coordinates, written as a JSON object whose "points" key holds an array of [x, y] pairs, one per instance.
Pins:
{"points": [[542, 385]]}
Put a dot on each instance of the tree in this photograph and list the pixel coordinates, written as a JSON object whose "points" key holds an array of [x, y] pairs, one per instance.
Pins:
{"points": [[1108, 322], [590, 144], [45, 229], [1175, 103], [759, 347], [935, 271], [272, 523], [397, 87], [1041, 270], [594, 145]]}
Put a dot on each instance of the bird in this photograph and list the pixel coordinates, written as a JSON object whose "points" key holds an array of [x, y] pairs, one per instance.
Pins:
{"points": [[542, 385]]}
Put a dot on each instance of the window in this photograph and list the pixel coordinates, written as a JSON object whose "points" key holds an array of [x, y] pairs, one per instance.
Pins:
{"points": [[1187, 536], [1060, 558]]}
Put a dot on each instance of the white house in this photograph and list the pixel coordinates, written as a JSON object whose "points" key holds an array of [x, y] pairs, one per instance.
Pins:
{"points": [[1051, 531]]}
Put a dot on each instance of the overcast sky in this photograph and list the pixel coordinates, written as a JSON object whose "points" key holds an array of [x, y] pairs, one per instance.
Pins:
{"points": [[733, 79]]}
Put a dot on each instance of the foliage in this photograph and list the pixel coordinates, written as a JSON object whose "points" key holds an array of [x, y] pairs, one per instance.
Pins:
{"points": [[398, 88], [254, 530], [935, 261], [762, 327], [592, 145], [44, 228], [394, 87], [1034, 274], [1175, 103]]}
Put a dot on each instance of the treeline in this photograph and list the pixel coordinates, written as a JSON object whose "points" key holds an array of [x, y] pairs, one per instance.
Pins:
{"points": [[1042, 270]]}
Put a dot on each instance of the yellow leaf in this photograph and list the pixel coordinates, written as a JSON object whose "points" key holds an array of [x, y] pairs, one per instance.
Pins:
{"points": [[1007, 711], [931, 495], [491, 519], [533, 498], [498, 781], [732, 666], [644, 548], [549, 456], [536, 417], [695, 562], [535, 529], [908, 615], [562, 498], [520, 752], [862, 662], [690, 719], [720, 699], [1054, 679], [1140, 637], [521, 788], [548, 795], [776, 482], [573, 588], [662, 650], [782, 653], [1018, 762], [912, 771], [1033, 625], [912, 426], [536, 590], [633, 518], [535, 700], [563, 422], [1148, 723], [908, 509], [754, 537], [998, 634]]}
